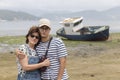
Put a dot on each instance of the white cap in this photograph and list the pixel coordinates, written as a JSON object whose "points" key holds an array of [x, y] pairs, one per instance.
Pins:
{"points": [[43, 22]]}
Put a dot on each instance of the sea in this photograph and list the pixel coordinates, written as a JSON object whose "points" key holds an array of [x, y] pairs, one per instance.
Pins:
{"points": [[14, 28]]}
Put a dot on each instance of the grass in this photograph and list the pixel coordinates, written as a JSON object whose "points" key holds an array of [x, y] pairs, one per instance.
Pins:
{"points": [[104, 66], [12, 40], [113, 39]]}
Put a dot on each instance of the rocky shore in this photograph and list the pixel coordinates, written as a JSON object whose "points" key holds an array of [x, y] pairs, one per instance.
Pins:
{"points": [[7, 48], [82, 50], [75, 48], [87, 60]]}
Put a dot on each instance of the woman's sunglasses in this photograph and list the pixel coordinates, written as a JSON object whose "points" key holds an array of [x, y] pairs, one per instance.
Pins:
{"points": [[32, 36]]}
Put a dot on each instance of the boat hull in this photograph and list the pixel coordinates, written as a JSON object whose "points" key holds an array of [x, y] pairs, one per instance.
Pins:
{"points": [[100, 36]]}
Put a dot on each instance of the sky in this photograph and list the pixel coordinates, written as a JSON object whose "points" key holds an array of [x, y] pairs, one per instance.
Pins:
{"points": [[72, 5]]}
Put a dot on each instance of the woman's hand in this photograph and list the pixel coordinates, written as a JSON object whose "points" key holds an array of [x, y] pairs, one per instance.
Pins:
{"points": [[20, 54], [46, 62]]}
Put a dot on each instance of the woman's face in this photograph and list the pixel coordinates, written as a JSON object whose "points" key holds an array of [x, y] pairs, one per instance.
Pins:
{"points": [[33, 38]]}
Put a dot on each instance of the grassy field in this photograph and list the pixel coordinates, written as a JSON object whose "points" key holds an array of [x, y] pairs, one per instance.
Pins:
{"points": [[86, 60]]}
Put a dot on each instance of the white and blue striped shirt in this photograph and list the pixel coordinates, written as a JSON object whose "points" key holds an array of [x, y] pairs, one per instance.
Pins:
{"points": [[56, 50]]}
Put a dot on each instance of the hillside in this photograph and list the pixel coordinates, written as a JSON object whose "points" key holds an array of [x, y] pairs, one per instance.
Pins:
{"points": [[12, 15], [110, 14]]}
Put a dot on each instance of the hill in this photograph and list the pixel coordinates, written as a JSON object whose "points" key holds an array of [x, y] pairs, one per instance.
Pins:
{"points": [[12, 15], [110, 14]]}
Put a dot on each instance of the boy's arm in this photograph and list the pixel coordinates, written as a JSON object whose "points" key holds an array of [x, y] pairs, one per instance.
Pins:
{"points": [[62, 67]]}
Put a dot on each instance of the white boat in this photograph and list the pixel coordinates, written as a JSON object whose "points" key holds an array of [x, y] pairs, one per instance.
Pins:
{"points": [[73, 29]]}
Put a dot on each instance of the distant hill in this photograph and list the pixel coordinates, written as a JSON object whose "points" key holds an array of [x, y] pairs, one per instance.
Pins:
{"points": [[111, 14], [12, 15]]}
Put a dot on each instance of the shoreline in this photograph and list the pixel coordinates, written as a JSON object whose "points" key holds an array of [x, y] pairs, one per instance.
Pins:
{"points": [[86, 60], [23, 33], [8, 44]]}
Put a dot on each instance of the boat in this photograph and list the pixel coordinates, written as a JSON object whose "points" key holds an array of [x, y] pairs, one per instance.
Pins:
{"points": [[73, 29]]}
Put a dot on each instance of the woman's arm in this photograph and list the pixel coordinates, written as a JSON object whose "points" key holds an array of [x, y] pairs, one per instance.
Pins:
{"points": [[28, 67]]}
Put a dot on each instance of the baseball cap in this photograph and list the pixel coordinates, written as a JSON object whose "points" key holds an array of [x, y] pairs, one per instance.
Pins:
{"points": [[44, 22]]}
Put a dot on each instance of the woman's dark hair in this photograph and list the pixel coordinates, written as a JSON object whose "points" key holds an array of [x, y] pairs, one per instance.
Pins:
{"points": [[32, 30]]}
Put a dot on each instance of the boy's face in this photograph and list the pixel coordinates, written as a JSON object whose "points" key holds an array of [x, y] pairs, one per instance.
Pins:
{"points": [[44, 31]]}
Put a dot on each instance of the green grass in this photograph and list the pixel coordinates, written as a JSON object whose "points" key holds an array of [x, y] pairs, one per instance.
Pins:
{"points": [[12, 39], [113, 39]]}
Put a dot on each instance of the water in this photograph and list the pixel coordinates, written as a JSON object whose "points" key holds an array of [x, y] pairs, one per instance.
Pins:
{"points": [[11, 28], [21, 27]]}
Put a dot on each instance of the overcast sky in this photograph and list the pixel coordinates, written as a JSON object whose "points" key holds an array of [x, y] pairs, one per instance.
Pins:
{"points": [[72, 5]]}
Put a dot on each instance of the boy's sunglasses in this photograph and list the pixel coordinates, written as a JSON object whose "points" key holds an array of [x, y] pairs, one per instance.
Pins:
{"points": [[32, 36], [44, 28]]}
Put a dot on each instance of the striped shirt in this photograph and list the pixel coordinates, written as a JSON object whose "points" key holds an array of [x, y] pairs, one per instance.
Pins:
{"points": [[56, 50]]}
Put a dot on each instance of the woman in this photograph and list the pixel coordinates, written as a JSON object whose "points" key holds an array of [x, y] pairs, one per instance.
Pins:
{"points": [[28, 64]]}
